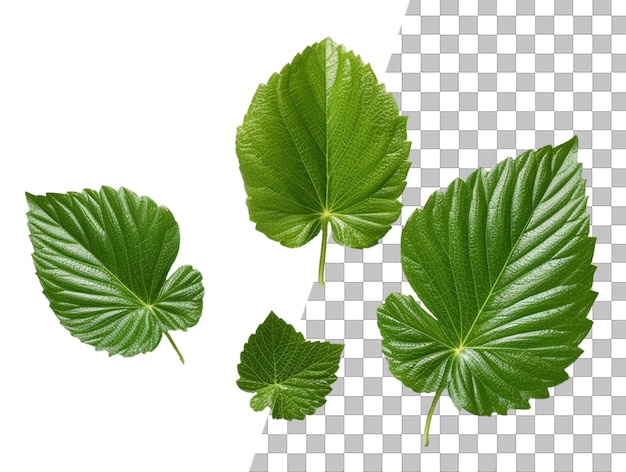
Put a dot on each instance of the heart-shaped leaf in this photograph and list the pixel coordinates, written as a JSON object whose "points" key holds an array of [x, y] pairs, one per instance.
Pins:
{"points": [[323, 143], [103, 259], [502, 263]]}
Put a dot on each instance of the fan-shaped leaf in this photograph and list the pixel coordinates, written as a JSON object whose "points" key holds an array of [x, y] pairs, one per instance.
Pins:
{"points": [[323, 143], [290, 375], [502, 263], [103, 259]]}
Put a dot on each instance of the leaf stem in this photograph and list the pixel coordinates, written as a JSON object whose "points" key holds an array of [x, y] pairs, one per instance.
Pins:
{"points": [[180, 356], [430, 414], [320, 273]]}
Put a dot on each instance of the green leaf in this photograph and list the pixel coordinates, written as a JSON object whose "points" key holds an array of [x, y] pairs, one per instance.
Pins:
{"points": [[323, 143], [502, 263], [103, 259], [290, 375]]}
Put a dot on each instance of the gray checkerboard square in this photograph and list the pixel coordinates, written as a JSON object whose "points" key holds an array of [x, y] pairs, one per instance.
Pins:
{"points": [[487, 463], [481, 81]]}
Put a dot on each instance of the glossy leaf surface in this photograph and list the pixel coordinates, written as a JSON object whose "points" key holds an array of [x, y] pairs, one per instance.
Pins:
{"points": [[103, 260], [502, 265], [323, 144]]}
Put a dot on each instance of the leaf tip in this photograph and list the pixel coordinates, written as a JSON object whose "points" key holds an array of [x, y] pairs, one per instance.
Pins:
{"points": [[328, 41], [31, 200]]}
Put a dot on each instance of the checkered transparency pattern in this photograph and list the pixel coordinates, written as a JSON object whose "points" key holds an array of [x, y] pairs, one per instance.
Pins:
{"points": [[480, 81]]}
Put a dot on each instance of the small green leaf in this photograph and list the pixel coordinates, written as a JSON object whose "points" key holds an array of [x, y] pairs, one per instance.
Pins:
{"points": [[502, 263], [290, 375], [103, 259], [323, 143]]}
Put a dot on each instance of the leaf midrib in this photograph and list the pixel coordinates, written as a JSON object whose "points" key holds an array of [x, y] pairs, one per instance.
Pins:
{"points": [[326, 111], [334, 208], [141, 303], [511, 252]]}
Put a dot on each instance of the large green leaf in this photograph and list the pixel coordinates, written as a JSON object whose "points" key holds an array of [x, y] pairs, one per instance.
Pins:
{"points": [[502, 263], [289, 374], [103, 259], [323, 143]]}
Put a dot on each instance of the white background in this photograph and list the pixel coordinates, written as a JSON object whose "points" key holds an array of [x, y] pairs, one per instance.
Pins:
{"points": [[148, 95]]}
